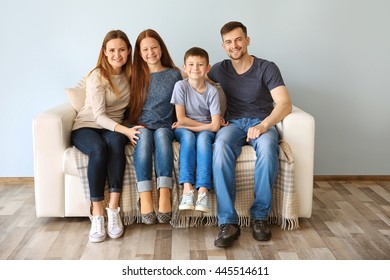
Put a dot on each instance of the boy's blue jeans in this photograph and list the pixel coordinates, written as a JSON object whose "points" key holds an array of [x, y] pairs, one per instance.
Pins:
{"points": [[227, 147], [159, 143], [196, 153]]}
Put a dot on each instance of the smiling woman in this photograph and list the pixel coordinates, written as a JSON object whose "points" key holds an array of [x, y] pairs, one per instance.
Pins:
{"points": [[117, 54], [98, 131]]}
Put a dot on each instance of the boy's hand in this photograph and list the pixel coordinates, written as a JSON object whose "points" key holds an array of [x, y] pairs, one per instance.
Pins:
{"points": [[175, 125], [224, 122]]}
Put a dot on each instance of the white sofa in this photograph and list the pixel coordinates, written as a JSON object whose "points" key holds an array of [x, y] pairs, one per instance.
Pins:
{"points": [[58, 191]]}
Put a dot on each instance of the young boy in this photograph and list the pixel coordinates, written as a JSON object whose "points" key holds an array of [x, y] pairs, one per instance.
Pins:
{"points": [[198, 119]]}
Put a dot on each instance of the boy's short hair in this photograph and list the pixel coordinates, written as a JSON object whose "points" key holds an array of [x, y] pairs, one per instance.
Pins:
{"points": [[196, 51], [231, 26]]}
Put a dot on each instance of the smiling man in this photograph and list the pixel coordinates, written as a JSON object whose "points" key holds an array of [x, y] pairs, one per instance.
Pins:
{"points": [[257, 99]]}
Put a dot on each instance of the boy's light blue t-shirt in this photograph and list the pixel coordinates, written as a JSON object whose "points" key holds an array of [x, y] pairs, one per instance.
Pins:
{"points": [[199, 107]]}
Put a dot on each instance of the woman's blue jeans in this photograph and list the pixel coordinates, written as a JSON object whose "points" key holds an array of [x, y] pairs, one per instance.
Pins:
{"points": [[158, 141], [106, 158], [227, 147], [196, 155]]}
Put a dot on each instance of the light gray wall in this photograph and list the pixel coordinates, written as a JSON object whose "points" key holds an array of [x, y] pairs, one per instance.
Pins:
{"points": [[334, 56]]}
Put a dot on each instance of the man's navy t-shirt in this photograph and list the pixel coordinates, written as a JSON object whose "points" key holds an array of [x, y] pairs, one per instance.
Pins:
{"points": [[248, 95]]}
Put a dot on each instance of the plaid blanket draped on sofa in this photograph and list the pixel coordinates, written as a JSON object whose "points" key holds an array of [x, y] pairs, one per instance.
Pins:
{"points": [[284, 211]]}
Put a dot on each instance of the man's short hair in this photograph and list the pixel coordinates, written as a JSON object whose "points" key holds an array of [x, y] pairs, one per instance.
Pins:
{"points": [[233, 25]]}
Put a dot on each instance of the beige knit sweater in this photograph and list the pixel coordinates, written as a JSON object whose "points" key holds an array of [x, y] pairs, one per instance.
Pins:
{"points": [[102, 108]]}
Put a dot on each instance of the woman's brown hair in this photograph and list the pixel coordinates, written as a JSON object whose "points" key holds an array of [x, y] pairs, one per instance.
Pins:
{"points": [[104, 66]]}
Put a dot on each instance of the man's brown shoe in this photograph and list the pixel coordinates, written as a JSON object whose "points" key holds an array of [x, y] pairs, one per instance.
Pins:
{"points": [[261, 231], [227, 234]]}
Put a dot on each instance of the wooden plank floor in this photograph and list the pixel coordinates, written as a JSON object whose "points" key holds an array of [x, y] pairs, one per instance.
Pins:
{"points": [[350, 221]]}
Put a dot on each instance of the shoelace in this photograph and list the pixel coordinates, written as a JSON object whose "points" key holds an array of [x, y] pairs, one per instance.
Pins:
{"points": [[188, 197], [223, 230], [202, 198], [262, 224], [114, 220], [97, 224]]}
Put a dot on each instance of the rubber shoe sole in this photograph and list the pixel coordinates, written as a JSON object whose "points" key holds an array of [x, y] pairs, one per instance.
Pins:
{"points": [[186, 207]]}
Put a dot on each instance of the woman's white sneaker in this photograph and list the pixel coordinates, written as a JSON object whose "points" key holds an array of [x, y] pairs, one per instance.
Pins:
{"points": [[97, 232], [114, 223]]}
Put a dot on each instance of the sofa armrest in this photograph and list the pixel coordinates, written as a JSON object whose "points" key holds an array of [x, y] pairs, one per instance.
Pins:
{"points": [[51, 137], [298, 129]]}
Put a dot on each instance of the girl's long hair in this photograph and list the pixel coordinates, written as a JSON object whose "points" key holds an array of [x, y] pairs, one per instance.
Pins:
{"points": [[141, 78], [104, 66]]}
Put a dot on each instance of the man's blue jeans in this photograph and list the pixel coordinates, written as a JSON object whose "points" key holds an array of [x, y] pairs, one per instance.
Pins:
{"points": [[196, 154], [106, 158], [227, 147], [158, 141]]}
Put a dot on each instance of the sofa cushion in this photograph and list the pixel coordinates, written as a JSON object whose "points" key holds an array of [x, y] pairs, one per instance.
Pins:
{"points": [[222, 98], [76, 95]]}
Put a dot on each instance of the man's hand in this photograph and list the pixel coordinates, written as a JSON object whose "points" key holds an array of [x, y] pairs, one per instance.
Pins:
{"points": [[255, 132]]}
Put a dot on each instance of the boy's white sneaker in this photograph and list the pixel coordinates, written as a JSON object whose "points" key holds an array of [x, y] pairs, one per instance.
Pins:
{"points": [[202, 204], [187, 201]]}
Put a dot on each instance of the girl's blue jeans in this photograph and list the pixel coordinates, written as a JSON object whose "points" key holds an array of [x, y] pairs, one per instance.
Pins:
{"points": [[154, 145]]}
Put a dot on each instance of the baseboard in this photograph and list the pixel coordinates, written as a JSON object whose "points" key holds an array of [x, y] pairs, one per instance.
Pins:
{"points": [[30, 180], [16, 180], [351, 177]]}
